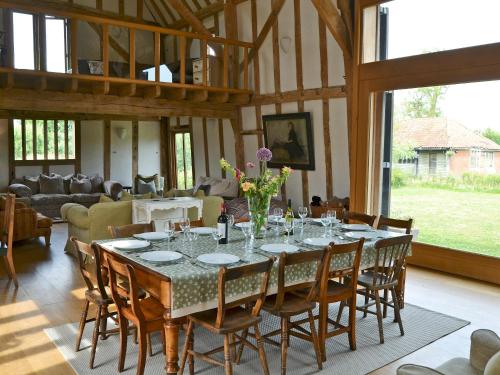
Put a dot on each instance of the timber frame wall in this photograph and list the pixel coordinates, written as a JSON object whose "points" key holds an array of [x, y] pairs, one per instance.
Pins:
{"points": [[472, 64]]}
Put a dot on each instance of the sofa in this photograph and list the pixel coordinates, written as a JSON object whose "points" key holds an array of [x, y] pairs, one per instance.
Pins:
{"points": [[28, 223], [48, 193], [90, 224]]}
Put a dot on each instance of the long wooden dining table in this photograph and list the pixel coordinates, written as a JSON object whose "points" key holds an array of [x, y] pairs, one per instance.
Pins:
{"points": [[187, 286]]}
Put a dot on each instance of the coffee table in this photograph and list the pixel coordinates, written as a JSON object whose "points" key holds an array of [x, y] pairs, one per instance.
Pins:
{"points": [[146, 210]]}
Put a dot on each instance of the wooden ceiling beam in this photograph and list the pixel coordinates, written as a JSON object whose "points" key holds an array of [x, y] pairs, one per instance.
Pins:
{"points": [[158, 11], [328, 12], [189, 17], [169, 11], [201, 14]]}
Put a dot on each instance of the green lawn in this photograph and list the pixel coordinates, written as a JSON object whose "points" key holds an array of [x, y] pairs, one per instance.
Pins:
{"points": [[461, 220]]}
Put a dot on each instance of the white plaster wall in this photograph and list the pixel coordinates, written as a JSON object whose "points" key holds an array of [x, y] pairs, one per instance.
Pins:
{"points": [[229, 149], [121, 153], [340, 149], [28, 171], [310, 45], [4, 154], [63, 170], [149, 147], [92, 147], [213, 145], [288, 68]]}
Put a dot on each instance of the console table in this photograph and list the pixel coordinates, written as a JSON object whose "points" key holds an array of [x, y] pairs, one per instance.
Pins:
{"points": [[146, 210]]}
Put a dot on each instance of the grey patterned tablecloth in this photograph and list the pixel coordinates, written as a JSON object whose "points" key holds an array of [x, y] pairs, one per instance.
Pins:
{"points": [[194, 285]]}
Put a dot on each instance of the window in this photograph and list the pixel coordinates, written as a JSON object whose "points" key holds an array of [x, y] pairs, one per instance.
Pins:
{"points": [[56, 42], [24, 41], [475, 155], [183, 160], [432, 163], [44, 139], [488, 159]]}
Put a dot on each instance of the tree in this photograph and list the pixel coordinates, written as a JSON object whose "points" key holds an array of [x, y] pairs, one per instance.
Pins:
{"points": [[492, 134], [424, 102]]}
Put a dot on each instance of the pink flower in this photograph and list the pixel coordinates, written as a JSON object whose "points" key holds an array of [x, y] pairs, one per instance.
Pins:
{"points": [[250, 165], [264, 154], [237, 173]]}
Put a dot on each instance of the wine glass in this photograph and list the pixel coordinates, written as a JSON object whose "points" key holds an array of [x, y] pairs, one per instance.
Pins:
{"points": [[247, 228], [332, 216], [277, 215], [185, 225], [303, 212], [325, 221], [230, 220], [169, 229], [216, 235], [288, 226]]}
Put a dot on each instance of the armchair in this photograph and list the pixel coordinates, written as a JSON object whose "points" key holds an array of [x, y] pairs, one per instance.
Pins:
{"points": [[484, 359]]}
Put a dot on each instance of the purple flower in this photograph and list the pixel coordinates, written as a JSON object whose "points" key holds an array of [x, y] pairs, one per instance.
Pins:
{"points": [[250, 165], [264, 154]]}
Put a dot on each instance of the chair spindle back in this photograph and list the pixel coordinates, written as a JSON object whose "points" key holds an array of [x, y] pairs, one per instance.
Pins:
{"points": [[386, 223], [389, 259], [129, 230]]}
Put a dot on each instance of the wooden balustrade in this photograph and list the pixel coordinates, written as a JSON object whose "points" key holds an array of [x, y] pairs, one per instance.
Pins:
{"points": [[214, 89]]}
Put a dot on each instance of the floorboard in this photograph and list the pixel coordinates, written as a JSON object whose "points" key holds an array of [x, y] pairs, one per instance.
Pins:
{"points": [[51, 293]]}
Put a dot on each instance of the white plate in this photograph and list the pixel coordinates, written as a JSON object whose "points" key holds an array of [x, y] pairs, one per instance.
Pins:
{"points": [[358, 235], [279, 248], [318, 241], [272, 220], [131, 244], [152, 236], [204, 231], [318, 221], [242, 224], [161, 256], [356, 227], [218, 259]]}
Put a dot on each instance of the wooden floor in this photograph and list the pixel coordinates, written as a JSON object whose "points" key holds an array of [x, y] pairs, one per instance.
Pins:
{"points": [[51, 293]]}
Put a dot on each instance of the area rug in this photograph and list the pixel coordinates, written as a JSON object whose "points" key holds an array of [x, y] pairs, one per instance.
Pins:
{"points": [[422, 327]]}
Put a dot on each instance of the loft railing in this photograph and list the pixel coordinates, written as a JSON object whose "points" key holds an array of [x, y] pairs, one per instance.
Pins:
{"points": [[197, 62]]}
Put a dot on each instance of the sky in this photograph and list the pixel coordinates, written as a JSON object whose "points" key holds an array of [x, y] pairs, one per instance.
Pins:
{"points": [[416, 26]]}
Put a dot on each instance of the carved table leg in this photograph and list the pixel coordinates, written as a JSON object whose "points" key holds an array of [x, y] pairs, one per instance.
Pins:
{"points": [[172, 345], [400, 288]]}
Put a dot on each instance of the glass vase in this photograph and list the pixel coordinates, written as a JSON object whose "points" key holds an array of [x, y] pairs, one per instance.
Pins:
{"points": [[258, 210]]}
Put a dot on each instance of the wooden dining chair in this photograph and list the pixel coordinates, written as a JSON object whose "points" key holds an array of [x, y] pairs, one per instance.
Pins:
{"points": [[229, 318], [7, 237], [130, 229], [351, 217], [294, 300], [97, 293], [193, 224], [145, 314], [339, 285], [390, 255], [316, 211], [386, 223]]}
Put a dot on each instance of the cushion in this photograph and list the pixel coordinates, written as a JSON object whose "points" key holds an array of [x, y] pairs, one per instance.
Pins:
{"points": [[83, 186], [126, 196], [458, 366], [97, 183], [416, 370], [51, 184], [104, 199], [221, 187], [155, 178], [33, 183], [205, 189], [81, 176], [67, 183], [146, 187], [493, 366], [484, 344], [20, 190], [50, 199], [113, 189]]}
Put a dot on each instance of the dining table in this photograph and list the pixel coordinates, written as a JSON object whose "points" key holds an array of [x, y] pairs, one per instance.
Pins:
{"points": [[187, 285]]}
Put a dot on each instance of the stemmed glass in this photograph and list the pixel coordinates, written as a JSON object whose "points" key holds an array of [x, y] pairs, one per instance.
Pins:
{"points": [[325, 221], [332, 216], [185, 225], [288, 225], [169, 229], [246, 228], [216, 235], [277, 215], [303, 212], [230, 220]]}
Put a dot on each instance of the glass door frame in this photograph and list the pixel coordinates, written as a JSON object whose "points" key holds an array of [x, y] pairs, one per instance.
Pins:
{"points": [[370, 80]]}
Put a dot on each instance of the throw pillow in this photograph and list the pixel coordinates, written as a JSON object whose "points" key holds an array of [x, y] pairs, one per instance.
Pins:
{"points": [[67, 183], [147, 179], [51, 184], [80, 176], [20, 190], [33, 183], [97, 183], [199, 194], [146, 187], [80, 186], [105, 199], [205, 189]]}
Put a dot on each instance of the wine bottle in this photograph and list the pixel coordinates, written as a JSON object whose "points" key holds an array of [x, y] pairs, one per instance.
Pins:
{"points": [[223, 225], [289, 216]]}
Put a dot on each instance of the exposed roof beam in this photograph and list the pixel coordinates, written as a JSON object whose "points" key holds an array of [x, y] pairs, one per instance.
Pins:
{"points": [[201, 14], [169, 11], [330, 15], [346, 14], [190, 18], [112, 42], [157, 10]]}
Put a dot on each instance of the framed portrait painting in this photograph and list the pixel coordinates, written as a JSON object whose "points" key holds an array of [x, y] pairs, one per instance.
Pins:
{"points": [[290, 138]]}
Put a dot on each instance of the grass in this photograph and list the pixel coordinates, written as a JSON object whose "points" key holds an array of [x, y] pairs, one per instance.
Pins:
{"points": [[461, 220]]}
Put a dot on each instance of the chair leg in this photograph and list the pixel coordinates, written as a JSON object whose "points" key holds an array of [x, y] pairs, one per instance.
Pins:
{"points": [[284, 344], [9, 263], [81, 328], [232, 347], [184, 355], [244, 335], [123, 342], [95, 337], [367, 299], [47, 239], [397, 313], [315, 340], [104, 322], [228, 367], [341, 309], [143, 347], [163, 342], [322, 328], [386, 299], [379, 316], [352, 323], [262, 353], [150, 344], [191, 356]]}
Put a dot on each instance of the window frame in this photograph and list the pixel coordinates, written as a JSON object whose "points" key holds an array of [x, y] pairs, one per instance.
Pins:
{"points": [[173, 173]]}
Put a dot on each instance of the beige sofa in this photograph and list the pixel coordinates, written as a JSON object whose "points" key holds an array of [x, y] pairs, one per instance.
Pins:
{"points": [[90, 224]]}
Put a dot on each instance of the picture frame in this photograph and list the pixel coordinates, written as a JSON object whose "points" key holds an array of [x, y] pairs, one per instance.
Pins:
{"points": [[290, 139]]}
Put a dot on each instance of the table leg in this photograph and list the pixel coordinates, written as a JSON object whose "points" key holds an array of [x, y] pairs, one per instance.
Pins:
{"points": [[172, 346]]}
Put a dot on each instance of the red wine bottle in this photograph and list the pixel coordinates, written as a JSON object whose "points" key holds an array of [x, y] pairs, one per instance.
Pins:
{"points": [[223, 225]]}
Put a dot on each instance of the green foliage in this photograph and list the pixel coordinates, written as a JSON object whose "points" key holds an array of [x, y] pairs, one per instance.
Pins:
{"points": [[403, 152], [424, 102], [399, 178], [184, 164], [492, 134]]}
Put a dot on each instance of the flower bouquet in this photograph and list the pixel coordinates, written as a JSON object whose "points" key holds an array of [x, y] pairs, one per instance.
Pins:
{"points": [[259, 190]]}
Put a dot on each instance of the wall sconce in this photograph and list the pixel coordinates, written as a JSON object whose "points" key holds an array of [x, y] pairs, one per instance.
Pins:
{"points": [[285, 43], [121, 132]]}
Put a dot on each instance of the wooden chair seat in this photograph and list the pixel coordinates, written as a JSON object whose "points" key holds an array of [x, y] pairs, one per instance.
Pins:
{"points": [[372, 280], [293, 304], [235, 319], [96, 297], [151, 309], [338, 290]]}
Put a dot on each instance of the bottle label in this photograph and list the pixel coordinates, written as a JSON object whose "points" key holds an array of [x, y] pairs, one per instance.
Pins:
{"points": [[221, 228]]}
